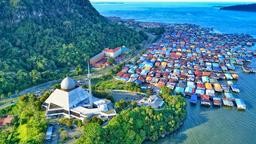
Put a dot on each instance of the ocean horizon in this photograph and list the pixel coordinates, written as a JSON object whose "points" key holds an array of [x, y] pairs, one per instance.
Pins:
{"points": [[205, 14]]}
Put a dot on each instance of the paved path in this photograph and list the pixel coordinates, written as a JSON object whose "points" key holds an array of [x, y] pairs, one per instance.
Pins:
{"points": [[126, 95]]}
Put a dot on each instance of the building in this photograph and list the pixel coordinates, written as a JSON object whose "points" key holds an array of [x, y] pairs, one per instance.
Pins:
{"points": [[97, 58], [113, 53], [100, 60], [6, 120], [153, 101], [72, 101]]}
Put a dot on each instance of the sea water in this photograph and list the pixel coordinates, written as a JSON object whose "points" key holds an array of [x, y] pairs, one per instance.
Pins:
{"points": [[203, 125]]}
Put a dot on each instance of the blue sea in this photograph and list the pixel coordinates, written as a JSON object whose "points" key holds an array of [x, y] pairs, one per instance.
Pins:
{"points": [[203, 125]]}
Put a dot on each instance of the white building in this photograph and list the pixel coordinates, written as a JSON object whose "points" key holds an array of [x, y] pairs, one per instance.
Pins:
{"points": [[153, 101], [113, 53], [72, 101]]}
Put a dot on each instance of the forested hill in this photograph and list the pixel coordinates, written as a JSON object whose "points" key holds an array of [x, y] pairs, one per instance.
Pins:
{"points": [[248, 8], [42, 40]]}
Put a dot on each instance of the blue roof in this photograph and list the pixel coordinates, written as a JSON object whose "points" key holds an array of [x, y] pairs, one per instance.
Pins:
{"points": [[193, 98]]}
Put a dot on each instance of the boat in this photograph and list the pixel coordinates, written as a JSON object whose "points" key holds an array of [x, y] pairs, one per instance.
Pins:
{"points": [[227, 102], [193, 99], [234, 88], [217, 87], [205, 100], [240, 104], [247, 69], [216, 101], [235, 76]]}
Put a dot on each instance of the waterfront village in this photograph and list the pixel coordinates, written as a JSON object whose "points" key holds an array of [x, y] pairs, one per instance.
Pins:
{"points": [[194, 62], [191, 61]]}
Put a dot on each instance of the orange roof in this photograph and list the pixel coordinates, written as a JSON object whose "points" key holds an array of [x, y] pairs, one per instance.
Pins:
{"points": [[108, 50], [208, 85]]}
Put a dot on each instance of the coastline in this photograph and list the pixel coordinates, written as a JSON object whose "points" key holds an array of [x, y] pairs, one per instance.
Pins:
{"points": [[181, 126]]}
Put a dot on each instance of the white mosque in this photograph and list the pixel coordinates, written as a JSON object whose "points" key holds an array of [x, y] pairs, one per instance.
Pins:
{"points": [[73, 101]]}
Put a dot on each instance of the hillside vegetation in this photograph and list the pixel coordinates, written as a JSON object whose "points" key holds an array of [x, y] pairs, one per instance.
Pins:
{"points": [[43, 40], [138, 124]]}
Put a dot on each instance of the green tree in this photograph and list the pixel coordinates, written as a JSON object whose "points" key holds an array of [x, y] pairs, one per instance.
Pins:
{"points": [[78, 70], [93, 134]]}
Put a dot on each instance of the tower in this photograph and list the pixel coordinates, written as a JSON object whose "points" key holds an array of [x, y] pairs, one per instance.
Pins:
{"points": [[89, 84]]}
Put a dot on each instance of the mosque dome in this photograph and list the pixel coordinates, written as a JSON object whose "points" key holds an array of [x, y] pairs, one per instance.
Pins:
{"points": [[68, 83]]}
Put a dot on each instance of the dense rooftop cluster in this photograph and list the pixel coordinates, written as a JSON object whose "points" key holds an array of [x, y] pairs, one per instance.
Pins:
{"points": [[189, 59]]}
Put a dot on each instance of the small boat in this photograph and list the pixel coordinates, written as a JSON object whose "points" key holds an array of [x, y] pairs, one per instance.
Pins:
{"points": [[234, 88], [217, 87], [216, 101], [227, 102], [193, 99], [240, 104], [235, 76], [247, 69], [205, 100]]}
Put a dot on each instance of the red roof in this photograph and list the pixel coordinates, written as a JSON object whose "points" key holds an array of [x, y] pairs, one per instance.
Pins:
{"points": [[120, 74], [205, 97], [6, 120], [200, 85], [126, 76]]}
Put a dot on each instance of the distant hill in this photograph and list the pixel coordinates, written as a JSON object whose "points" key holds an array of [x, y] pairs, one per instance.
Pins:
{"points": [[248, 7], [42, 40]]}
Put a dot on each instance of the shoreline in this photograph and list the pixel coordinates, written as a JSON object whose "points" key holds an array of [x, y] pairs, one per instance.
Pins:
{"points": [[214, 30]]}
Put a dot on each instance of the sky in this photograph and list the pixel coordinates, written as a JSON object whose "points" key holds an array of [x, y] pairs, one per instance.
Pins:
{"points": [[173, 0]]}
